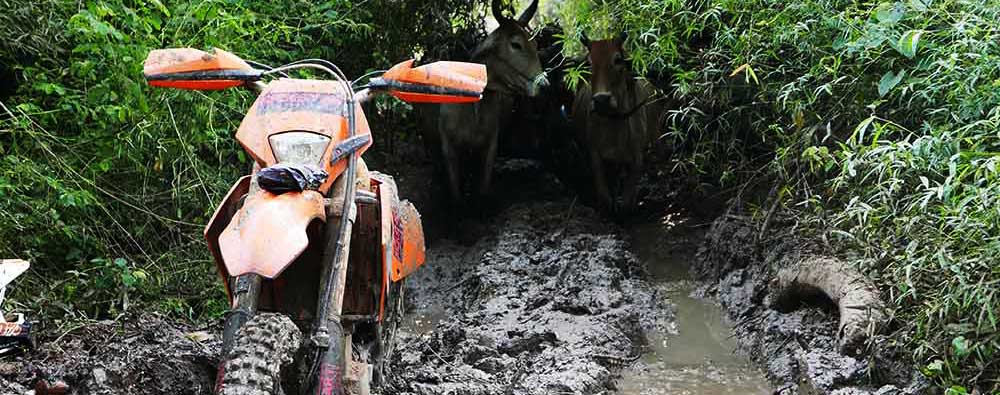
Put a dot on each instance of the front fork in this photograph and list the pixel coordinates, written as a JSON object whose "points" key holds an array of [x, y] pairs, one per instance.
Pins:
{"points": [[246, 292], [328, 335], [328, 338]]}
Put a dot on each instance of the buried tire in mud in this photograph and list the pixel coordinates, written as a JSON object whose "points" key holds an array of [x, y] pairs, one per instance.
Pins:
{"points": [[262, 347]]}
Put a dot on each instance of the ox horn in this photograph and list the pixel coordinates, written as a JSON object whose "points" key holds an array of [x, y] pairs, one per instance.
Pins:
{"points": [[497, 7], [528, 13]]}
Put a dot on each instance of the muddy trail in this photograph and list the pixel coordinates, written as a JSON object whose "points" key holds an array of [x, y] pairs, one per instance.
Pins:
{"points": [[541, 295], [549, 300]]}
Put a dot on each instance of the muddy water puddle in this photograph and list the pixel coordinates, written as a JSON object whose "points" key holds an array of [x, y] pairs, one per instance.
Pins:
{"points": [[696, 353]]}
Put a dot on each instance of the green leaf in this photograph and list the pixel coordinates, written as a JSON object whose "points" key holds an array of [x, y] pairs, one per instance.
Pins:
{"points": [[839, 43], [859, 132], [909, 42], [956, 390], [890, 13], [889, 80], [140, 275], [128, 279], [936, 366], [50, 88], [920, 5], [961, 345]]}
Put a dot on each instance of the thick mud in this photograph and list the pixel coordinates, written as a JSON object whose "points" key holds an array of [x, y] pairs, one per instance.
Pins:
{"points": [[133, 355], [552, 302]]}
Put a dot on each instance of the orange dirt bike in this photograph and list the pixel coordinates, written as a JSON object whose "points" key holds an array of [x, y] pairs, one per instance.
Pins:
{"points": [[311, 241]]}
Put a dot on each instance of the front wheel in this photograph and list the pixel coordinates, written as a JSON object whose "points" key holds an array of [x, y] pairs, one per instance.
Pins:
{"points": [[262, 347]]}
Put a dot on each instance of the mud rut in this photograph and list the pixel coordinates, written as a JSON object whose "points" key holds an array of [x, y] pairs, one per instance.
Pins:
{"points": [[544, 296]]}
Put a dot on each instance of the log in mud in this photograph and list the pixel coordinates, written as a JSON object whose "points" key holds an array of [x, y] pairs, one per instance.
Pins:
{"points": [[859, 304]]}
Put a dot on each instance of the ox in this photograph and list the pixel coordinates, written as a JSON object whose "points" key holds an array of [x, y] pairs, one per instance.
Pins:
{"points": [[466, 134], [615, 116]]}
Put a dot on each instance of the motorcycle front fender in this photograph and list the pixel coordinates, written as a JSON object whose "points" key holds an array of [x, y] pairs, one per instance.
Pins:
{"points": [[220, 220], [269, 232]]}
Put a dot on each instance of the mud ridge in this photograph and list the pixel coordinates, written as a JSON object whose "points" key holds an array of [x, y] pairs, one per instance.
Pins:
{"points": [[798, 349], [552, 302], [144, 354]]}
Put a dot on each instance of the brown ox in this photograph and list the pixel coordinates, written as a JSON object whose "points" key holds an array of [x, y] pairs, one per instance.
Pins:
{"points": [[615, 116], [466, 134]]}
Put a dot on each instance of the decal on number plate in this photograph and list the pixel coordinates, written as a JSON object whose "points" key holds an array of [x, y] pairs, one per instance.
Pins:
{"points": [[325, 103], [397, 233]]}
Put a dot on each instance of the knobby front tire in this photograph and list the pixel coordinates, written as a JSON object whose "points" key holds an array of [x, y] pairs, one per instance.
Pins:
{"points": [[263, 346]]}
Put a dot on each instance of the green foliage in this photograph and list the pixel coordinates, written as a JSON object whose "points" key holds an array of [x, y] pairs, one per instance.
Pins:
{"points": [[875, 123], [923, 212], [658, 31], [105, 183]]}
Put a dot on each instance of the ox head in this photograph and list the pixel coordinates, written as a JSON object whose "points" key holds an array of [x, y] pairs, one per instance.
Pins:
{"points": [[511, 58], [609, 72]]}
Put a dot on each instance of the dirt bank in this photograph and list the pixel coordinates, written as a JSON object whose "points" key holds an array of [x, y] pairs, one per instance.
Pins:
{"points": [[134, 355], [799, 350], [551, 300]]}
